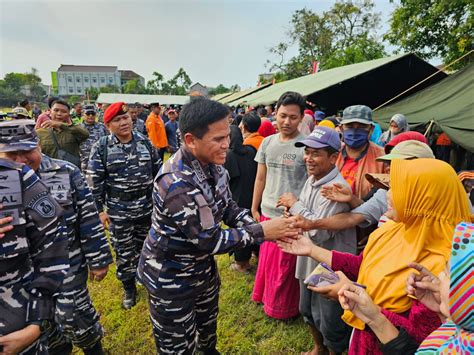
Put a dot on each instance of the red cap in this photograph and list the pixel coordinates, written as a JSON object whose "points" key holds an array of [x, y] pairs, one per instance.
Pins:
{"points": [[405, 136], [116, 109]]}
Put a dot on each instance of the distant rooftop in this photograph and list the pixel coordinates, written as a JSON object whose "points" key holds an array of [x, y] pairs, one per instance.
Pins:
{"points": [[87, 68], [128, 74]]}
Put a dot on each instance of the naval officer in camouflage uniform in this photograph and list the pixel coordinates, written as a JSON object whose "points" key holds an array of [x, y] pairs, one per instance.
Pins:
{"points": [[33, 249], [76, 320], [96, 131], [138, 124], [191, 198], [120, 171]]}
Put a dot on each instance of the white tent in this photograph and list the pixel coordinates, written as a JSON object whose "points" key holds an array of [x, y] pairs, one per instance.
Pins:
{"points": [[143, 99]]}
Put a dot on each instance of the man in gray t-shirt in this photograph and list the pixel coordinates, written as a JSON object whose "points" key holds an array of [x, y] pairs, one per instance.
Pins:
{"points": [[285, 171]]}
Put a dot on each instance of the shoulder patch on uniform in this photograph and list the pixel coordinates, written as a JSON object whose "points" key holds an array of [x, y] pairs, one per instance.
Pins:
{"points": [[43, 205], [201, 175]]}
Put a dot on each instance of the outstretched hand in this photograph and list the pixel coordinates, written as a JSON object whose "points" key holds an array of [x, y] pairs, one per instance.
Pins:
{"points": [[5, 225], [331, 291], [337, 192], [297, 246]]}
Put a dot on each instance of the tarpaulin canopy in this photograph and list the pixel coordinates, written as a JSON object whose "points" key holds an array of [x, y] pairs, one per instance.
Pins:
{"points": [[229, 100], [370, 83], [143, 99], [221, 96], [449, 104]]}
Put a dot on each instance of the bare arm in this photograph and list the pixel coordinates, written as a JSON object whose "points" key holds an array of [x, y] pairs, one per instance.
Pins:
{"points": [[337, 222], [258, 190]]}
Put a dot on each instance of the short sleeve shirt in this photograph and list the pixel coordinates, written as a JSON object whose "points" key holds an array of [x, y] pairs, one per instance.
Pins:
{"points": [[373, 209], [286, 171]]}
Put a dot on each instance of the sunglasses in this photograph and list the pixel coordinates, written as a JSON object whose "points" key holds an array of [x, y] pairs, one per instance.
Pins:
{"points": [[90, 113]]}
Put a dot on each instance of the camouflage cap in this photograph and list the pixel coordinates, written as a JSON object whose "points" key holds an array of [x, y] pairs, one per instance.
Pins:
{"points": [[18, 135]]}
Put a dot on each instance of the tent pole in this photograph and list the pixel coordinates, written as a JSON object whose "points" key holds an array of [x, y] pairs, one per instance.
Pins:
{"points": [[439, 71], [428, 130]]}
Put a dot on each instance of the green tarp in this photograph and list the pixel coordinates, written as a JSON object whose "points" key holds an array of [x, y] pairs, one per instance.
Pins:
{"points": [[229, 100], [449, 104], [370, 83], [221, 96]]}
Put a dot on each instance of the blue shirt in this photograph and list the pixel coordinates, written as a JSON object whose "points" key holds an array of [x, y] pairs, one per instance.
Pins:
{"points": [[171, 128]]}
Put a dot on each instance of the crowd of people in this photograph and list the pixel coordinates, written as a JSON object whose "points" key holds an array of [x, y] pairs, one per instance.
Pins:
{"points": [[284, 187]]}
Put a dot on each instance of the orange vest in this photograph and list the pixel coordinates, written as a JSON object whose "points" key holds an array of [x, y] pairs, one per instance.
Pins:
{"points": [[367, 164], [254, 140], [156, 131]]}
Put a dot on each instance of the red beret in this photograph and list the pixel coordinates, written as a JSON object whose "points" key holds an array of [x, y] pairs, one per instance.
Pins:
{"points": [[116, 109]]}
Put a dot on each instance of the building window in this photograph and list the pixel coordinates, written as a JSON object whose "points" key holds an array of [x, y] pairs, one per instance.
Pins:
{"points": [[102, 80], [111, 80], [71, 90], [86, 79], [69, 79], [79, 90], [94, 80], [78, 79]]}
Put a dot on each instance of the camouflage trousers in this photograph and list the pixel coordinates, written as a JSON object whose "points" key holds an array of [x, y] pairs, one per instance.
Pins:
{"points": [[127, 237], [182, 326], [76, 319]]}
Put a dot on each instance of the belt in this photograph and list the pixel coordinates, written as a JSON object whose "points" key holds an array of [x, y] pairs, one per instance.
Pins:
{"points": [[130, 196]]}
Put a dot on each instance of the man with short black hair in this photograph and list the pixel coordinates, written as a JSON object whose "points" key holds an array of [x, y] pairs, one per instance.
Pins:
{"points": [[321, 149], [192, 199], [59, 139], [171, 128], [280, 169], [138, 124]]}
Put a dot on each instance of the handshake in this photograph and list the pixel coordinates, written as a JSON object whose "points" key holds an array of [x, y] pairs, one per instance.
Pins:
{"points": [[280, 227]]}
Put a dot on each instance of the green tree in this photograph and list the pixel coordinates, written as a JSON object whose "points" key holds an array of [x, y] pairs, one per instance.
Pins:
{"points": [[219, 89], [134, 87], [343, 35], [154, 86], [110, 89], [177, 85], [92, 93], [434, 28]]}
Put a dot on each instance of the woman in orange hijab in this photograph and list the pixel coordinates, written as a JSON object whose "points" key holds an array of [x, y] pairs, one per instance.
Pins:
{"points": [[427, 201]]}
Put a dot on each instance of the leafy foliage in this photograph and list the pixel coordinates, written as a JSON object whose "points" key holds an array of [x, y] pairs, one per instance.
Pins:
{"points": [[434, 28], [343, 35], [17, 86], [177, 85]]}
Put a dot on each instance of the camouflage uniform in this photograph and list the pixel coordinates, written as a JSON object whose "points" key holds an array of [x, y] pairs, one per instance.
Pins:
{"points": [[96, 131], [140, 127], [124, 185], [177, 264], [76, 317], [33, 256]]}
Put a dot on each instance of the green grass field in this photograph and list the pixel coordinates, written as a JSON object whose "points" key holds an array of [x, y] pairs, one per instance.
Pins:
{"points": [[243, 328]]}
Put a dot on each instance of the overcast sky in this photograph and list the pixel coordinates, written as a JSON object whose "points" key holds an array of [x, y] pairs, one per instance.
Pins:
{"points": [[219, 41]]}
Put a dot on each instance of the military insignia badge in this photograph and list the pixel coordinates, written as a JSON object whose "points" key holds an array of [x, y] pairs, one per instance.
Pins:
{"points": [[124, 108], [44, 206]]}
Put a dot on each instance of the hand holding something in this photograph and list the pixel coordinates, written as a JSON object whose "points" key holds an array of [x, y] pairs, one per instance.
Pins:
{"points": [[424, 286], [296, 246], [331, 291], [5, 225], [337, 192], [17, 341], [98, 274], [287, 200], [358, 301], [277, 228], [105, 219]]}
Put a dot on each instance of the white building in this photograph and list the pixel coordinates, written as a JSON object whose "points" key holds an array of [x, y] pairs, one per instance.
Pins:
{"points": [[75, 79]]}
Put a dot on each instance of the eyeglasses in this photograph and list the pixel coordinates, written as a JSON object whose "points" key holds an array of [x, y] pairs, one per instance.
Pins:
{"points": [[90, 113]]}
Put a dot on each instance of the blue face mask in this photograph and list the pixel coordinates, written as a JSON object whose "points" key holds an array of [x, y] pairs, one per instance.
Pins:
{"points": [[356, 137]]}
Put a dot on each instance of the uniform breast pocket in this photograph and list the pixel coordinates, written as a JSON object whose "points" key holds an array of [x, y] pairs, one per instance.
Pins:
{"points": [[12, 246]]}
